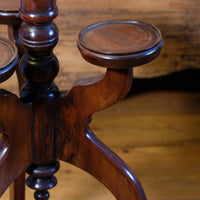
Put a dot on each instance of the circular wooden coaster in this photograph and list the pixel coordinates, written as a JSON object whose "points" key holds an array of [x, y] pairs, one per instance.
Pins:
{"points": [[120, 37], [119, 44], [8, 58]]}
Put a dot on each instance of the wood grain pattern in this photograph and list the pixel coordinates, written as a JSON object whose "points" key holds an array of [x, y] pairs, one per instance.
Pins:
{"points": [[175, 54], [17, 130], [120, 44], [4, 145], [52, 133], [119, 37], [76, 143], [38, 35], [9, 12], [177, 20], [6, 53], [17, 189], [9, 58], [153, 137], [75, 139]]}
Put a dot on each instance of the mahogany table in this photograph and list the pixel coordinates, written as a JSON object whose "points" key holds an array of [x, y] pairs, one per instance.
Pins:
{"points": [[45, 125]]}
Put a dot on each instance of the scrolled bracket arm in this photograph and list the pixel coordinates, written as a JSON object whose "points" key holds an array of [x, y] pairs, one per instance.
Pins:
{"points": [[76, 142]]}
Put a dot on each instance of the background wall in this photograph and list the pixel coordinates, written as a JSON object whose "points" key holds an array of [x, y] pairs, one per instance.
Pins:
{"points": [[178, 20], [156, 131]]}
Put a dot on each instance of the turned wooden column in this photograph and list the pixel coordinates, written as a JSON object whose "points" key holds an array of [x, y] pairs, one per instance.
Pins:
{"points": [[39, 35], [43, 126]]}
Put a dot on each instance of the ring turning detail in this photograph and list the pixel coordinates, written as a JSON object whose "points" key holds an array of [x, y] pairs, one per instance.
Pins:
{"points": [[119, 44], [44, 125]]}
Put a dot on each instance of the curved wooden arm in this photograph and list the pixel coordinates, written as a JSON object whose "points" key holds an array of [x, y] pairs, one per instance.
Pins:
{"points": [[78, 145], [15, 120], [93, 94], [86, 97]]}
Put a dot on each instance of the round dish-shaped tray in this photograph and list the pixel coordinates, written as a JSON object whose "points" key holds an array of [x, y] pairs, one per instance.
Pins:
{"points": [[118, 44], [8, 58], [9, 12]]}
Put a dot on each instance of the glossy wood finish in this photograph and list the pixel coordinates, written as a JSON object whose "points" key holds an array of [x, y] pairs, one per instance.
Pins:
{"points": [[120, 44], [7, 53], [9, 12], [17, 130], [17, 189], [4, 146], [39, 65], [9, 57], [58, 124], [73, 149], [9, 15], [119, 37], [178, 21], [154, 129], [76, 140], [39, 35], [13, 36], [38, 11]]}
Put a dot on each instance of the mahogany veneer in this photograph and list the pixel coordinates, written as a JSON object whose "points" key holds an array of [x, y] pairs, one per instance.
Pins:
{"points": [[44, 125]]}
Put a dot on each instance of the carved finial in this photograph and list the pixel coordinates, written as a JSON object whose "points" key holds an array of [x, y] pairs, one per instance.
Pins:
{"points": [[41, 179]]}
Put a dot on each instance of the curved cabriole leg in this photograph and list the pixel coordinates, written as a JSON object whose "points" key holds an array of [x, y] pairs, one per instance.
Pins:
{"points": [[15, 127], [80, 147], [99, 161]]}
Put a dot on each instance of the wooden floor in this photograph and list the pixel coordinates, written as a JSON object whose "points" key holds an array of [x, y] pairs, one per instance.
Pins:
{"points": [[157, 132]]}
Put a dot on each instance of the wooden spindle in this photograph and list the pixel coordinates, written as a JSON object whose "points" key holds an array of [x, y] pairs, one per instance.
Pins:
{"points": [[39, 35]]}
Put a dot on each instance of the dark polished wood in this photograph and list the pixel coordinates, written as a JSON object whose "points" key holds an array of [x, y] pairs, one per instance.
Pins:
{"points": [[8, 59], [119, 37], [13, 35], [54, 126], [17, 189], [39, 35], [38, 65], [76, 140], [4, 146], [9, 12], [177, 20], [17, 131], [120, 44]]}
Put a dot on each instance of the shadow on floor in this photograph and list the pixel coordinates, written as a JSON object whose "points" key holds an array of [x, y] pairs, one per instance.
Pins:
{"points": [[187, 80]]}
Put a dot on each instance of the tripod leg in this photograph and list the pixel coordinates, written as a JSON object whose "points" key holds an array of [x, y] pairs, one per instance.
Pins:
{"points": [[15, 123], [17, 189], [98, 160], [77, 144]]}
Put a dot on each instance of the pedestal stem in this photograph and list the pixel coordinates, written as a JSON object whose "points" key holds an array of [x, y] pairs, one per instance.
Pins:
{"points": [[38, 35]]}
